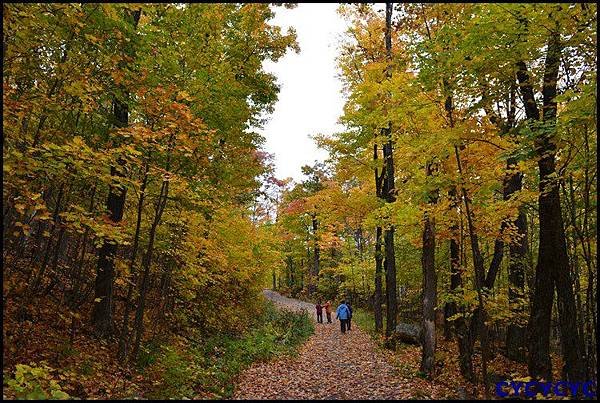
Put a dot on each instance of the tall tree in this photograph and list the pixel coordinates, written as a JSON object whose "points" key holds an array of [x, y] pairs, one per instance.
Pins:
{"points": [[463, 336], [388, 155], [316, 249], [102, 316], [553, 262], [378, 294], [429, 285]]}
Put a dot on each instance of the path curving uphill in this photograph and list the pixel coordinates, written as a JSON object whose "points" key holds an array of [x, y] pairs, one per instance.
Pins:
{"points": [[330, 365]]}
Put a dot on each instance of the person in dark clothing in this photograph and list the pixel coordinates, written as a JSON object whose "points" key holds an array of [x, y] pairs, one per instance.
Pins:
{"points": [[348, 322], [342, 313], [319, 312]]}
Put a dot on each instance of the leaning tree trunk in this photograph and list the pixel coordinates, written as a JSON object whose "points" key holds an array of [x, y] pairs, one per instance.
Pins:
{"points": [[480, 280], [147, 264], [161, 203], [516, 340], [465, 336], [124, 336]]}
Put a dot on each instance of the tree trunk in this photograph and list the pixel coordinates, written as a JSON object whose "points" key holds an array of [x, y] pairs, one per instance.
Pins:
{"points": [[124, 336], [512, 183], [463, 336], [377, 300], [103, 289], [315, 273], [553, 248], [479, 278], [55, 220], [429, 292], [553, 262], [450, 308], [390, 256], [516, 336], [74, 296], [147, 263], [377, 297], [161, 203], [290, 266], [543, 294]]}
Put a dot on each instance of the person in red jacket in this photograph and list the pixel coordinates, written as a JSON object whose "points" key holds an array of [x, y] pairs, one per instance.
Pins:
{"points": [[319, 312]]}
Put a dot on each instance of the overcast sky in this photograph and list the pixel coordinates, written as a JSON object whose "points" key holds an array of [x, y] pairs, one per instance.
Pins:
{"points": [[310, 100]]}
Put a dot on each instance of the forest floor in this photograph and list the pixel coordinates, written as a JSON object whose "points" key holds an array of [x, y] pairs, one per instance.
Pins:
{"points": [[332, 365]]}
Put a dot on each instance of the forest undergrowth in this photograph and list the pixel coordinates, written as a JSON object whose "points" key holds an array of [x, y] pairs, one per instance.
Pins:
{"points": [[79, 366]]}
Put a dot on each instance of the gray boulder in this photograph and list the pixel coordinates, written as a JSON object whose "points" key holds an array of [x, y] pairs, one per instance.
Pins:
{"points": [[408, 333]]}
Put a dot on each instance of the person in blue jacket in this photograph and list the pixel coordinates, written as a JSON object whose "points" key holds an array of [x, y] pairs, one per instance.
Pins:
{"points": [[342, 313], [348, 323]]}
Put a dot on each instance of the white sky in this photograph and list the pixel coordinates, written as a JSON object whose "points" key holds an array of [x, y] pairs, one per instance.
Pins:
{"points": [[310, 99]]}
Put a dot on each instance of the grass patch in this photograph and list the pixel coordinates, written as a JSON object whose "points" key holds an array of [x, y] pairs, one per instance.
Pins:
{"points": [[210, 367], [366, 321]]}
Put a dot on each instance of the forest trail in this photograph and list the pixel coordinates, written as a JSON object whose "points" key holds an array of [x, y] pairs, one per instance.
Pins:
{"points": [[330, 365]]}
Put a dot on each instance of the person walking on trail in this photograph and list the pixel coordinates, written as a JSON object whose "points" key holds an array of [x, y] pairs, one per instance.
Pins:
{"points": [[342, 312], [349, 315], [327, 307], [319, 312]]}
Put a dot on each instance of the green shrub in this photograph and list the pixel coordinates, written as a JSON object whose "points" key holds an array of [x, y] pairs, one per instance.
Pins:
{"points": [[148, 354], [86, 367], [176, 375], [67, 350], [365, 320], [211, 365], [34, 382], [276, 332]]}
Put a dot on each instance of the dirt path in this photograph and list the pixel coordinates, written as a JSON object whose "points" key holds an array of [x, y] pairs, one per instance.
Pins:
{"points": [[330, 365]]}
